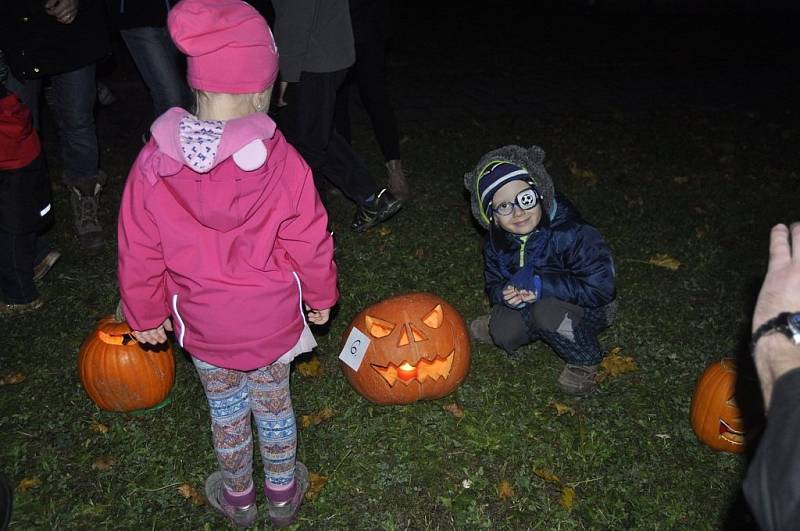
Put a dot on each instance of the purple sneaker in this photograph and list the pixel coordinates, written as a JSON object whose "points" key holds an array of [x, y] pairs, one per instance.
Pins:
{"points": [[284, 512], [241, 510]]}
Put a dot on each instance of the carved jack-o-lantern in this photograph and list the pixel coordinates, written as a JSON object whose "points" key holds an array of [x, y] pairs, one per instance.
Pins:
{"points": [[716, 418], [118, 374], [419, 350]]}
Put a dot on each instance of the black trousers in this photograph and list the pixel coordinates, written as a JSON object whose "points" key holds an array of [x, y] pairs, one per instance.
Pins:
{"points": [[18, 254], [368, 74], [570, 330], [307, 122]]}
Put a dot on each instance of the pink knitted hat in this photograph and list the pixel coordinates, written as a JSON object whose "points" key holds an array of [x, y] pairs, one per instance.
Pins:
{"points": [[228, 44]]}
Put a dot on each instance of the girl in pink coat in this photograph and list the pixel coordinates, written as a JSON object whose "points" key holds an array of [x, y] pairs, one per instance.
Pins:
{"points": [[222, 239]]}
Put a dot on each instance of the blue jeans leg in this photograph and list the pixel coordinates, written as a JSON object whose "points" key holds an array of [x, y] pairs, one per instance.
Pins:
{"points": [[75, 94], [159, 64]]}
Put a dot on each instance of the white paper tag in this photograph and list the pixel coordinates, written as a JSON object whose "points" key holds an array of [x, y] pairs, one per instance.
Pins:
{"points": [[354, 349]]}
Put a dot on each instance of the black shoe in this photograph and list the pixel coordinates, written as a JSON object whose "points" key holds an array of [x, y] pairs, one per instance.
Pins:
{"points": [[85, 203], [384, 206]]}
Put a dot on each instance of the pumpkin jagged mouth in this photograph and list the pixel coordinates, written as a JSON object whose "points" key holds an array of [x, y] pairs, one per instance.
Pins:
{"points": [[730, 434], [438, 367]]}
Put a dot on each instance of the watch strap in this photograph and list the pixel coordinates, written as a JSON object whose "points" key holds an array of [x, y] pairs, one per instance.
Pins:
{"points": [[779, 323]]}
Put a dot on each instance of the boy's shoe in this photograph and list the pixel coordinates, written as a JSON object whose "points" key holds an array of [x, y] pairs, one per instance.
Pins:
{"points": [[85, 203], [9, 310], [240, 516], [384, 206], [479, 329], [577, 379], [284, 513], [44, 267]]}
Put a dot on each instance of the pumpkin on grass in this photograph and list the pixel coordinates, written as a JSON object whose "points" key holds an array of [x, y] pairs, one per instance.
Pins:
{"points": [[716, 418], [118, 374], [419, 349]]}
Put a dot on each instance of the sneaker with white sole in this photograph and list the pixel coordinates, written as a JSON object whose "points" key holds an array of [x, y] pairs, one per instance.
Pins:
{"points": [[381, 208]]}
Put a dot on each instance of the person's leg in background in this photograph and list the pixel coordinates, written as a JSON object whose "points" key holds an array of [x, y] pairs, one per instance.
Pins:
{"points": [[75, 95]]}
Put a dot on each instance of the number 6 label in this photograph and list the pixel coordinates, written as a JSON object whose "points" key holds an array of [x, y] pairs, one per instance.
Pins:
{"points": [[354, 349]]}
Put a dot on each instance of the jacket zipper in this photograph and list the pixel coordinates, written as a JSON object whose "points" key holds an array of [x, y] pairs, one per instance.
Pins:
{"points": [[523, 240], [180, 320]]}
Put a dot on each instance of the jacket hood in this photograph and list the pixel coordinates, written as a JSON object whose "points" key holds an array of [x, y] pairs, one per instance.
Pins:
{"points": [[218, 171], [531, 159]]}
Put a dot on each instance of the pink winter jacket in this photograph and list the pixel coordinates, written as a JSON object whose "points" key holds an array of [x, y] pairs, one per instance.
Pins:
{"points": [[225, 250]]}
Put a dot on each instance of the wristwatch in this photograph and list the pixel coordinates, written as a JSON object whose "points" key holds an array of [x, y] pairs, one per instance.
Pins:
{"points": [[786, 323]]}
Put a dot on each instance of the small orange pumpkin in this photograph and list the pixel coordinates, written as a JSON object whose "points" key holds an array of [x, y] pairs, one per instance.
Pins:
{"points": [[118, 374], [716, 418], [419, 350]]}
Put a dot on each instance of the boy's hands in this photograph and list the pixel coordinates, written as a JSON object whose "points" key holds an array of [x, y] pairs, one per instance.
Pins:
{"points": [[517, 298], [154, 336], [318, 317]]}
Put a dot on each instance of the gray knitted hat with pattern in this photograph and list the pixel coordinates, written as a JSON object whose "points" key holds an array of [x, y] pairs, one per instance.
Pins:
{"points": [[481, 190]]}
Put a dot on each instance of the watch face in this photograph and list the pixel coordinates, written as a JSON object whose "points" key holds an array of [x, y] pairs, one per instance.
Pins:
{"points": [[793, 321]]}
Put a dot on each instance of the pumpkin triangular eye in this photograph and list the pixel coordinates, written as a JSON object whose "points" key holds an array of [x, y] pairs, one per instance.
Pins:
{"points": [[418, 336], [403, 338], [378, 327], [435, 318]]}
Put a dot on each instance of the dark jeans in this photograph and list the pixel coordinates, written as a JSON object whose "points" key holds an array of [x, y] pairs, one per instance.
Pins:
{"points": [[307, 122], [570, 330], [18, 254], [75, 95], [369, 76], [160, 66]]}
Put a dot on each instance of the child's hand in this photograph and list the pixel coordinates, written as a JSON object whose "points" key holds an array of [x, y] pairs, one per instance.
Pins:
{"points": [[526, 296], [154, 336], [318, 317], [511, 296]]}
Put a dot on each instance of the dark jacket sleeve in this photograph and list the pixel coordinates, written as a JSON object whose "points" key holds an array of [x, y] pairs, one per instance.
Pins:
{"points": [[493, 274], [586, 276], [772, 483]]}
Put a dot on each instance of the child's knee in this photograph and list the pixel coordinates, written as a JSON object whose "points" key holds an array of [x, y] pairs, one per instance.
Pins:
{"points": [[553, 314], [508, 331]]}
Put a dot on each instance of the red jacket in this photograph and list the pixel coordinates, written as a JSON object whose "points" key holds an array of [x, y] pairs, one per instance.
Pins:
{"points": [[19, 143]]}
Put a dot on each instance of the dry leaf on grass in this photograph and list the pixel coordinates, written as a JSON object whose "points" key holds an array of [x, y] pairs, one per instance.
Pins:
{"points": [[567, 497], [384, 231], [27, 484], [190, 493], [562, 409], [547, 475], [455, 410], [98, 427], [590, 176], [316, 484], [665, 261], [312, 367], [419, 253], [12, 378], [614, 365], [316, 417], [505, 490], [103, 463]]}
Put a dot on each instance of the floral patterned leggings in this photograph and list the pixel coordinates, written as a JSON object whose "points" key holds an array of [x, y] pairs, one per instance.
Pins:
{"points": [[232, 396]]}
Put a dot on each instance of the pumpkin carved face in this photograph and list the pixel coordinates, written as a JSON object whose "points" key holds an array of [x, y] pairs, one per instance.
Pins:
{"points": [[419, 350], [118, 374], [716, 418]]}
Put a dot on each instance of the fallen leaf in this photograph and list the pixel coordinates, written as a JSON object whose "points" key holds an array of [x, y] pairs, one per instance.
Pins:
{"points": [[562, 409], [312, 367], [384, 231], [567, 497], [665, 261], [590, 176], [316, 484], [12, 378], [681, 179], [28, 483], [505, 490], [419, 253], [614, 364], [98, 427], [455, 410], [316, 417], [103, 463], [547, 475], [190, 493]]}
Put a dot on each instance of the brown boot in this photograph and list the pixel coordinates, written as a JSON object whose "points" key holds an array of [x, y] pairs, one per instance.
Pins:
{"points": [[397, 179]]}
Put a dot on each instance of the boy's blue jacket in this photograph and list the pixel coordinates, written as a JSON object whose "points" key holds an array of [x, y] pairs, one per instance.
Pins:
{"points": [[565, 258]]}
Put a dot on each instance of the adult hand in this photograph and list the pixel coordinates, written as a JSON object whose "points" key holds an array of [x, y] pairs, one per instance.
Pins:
{"points": [[64, 11], [154, 336], [318, 317], [774, 354]]}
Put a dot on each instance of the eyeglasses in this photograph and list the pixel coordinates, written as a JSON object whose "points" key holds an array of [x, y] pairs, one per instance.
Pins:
{"points": [[525, 200]]}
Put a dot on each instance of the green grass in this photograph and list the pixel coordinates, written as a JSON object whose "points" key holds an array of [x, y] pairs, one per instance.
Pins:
{"points": [[702, 186]]}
